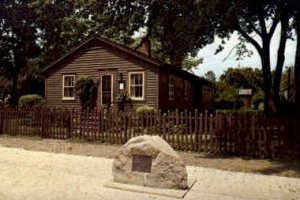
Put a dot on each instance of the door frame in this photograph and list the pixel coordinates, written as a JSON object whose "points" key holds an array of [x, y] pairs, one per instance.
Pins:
{"points": [[111, 74]]}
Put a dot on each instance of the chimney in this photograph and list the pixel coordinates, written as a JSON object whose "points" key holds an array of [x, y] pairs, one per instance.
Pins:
{"points": [[145, 47]]}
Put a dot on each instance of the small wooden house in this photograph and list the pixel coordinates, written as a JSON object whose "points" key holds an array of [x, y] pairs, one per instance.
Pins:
{"points": [[117, 68]]}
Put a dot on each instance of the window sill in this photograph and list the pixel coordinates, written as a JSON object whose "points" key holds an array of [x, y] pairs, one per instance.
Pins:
{"points": [[137, 99], [68, 99]]}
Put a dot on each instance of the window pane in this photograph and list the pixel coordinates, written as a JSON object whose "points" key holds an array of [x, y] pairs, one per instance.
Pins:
{"points": [[69, 81], [132, 91], [138, 79], [132, 79], [139, 91], [69, 92]]}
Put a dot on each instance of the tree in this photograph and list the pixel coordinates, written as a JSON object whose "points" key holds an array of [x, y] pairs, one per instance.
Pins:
{"points": [[261, 18], [188, 63], [234, 78], [246, 77], [296, 6], [74, 22], [178, 25], [211, 76], [17, 40], [226, 92]]}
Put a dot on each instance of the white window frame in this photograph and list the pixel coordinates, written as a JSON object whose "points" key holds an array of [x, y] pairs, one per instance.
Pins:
{"points": [[129, 88], [63, 86], [112, 88]]}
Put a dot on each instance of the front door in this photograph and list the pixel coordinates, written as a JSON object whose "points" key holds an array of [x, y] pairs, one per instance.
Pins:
{"points": [[106, 93]]}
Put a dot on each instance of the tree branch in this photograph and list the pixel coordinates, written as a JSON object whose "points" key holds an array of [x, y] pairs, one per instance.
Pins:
{"points": [[249, 39], [229, 54], [274, 24], [262, 24]]}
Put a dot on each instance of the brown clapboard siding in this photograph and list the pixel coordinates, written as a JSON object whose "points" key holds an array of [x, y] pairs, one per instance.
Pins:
{"points": [[179, 102], [96, 59]]}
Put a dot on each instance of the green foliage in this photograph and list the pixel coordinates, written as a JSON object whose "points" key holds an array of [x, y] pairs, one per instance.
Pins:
{"points": [[211, 76], [158, 53], [288, 73], [258, 98], [122, 98], [86, 89], [146, 109], [226, 92], [245, 77], [180, 25], [190, 63], [233, 79], [31, 101], [18, 40], [241, 111]]}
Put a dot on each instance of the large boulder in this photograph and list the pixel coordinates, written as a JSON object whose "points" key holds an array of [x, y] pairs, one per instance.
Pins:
{"points": [[149, 161]]}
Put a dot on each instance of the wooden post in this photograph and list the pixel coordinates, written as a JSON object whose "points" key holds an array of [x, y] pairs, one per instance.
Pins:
{"points": [[211, 134], [190, 141], [164, 126], [1, 122], [168, 134]]}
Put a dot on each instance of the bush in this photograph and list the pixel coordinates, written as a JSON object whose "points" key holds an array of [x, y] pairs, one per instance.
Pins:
{"points": [[261, 106], [146, 109], [122, 98], [86, 89], [31, 101], [242, 111]]}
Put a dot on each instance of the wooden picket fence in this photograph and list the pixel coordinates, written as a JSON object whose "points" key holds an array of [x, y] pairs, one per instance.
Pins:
{"points": [[242, 135]]}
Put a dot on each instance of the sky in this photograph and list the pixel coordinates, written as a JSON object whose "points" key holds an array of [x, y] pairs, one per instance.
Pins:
{"points": [[217, 64]]}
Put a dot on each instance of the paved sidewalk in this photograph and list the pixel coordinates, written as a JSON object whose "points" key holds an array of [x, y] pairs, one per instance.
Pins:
{"points": [[33, 175]]}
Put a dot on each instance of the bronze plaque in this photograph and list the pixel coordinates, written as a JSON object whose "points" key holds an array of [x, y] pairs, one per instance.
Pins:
{"points": [[142, 164]]}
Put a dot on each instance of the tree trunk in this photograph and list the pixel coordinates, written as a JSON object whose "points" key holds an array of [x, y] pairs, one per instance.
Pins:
{"points": [[280, 60], [268, 86], [297, 62]]}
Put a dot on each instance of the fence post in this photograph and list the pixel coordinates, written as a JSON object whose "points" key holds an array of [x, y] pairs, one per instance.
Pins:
{"points": [[1, 123], [43, 123], [71, 128]]}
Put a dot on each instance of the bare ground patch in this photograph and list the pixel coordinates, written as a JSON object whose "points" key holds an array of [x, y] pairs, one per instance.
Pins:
{"points": [[289, 168]]}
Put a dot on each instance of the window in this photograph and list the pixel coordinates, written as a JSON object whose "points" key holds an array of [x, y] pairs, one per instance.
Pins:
{"points": [[68, 87], [171, 88], [137, 85]]}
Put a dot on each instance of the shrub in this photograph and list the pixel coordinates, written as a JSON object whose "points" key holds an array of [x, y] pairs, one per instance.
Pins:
{"points": [[242, 111], [31, 101], [122, 98], [146, 109], [86, 89]]}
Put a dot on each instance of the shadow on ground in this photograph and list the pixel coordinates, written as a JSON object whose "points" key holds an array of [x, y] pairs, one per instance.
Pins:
{"points": [[289, 167]]}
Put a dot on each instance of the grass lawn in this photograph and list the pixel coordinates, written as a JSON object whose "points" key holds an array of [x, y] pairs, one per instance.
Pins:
{"points": [[286, 167]]}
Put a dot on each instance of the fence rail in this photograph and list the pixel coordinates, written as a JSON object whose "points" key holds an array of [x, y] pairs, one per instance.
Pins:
{"points": [[243, 135]]}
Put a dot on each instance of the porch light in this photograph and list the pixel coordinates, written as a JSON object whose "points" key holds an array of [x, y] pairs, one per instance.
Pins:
{"points": [[121, 85]]}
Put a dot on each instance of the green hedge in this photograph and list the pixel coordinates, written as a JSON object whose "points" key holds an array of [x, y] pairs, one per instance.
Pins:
{"points": [[31, 101], [146, 109]]}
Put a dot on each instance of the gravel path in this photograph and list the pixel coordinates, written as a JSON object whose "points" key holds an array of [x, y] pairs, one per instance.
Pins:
{"points": [[289, 168], [50, 176]]}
